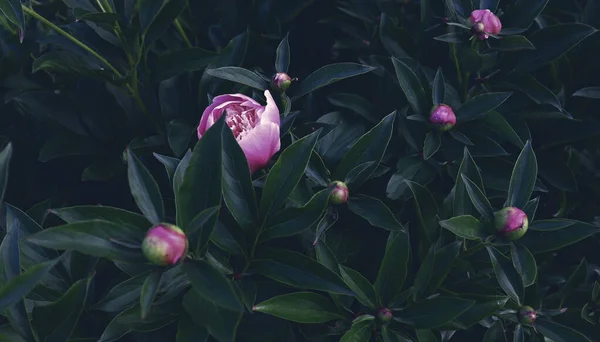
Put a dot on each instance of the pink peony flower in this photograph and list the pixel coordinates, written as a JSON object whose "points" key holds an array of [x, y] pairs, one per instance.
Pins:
{"points": [[484, 23], [165, 244], [442, 116], [255, 127]]}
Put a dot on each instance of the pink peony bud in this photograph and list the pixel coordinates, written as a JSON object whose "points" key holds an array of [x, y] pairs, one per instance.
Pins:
{"points": [[339, 192], [484, 23], [282, 81], [511, 223], [254, 126], [526, 315], [384, 315], [165, 244], [442, 117]]}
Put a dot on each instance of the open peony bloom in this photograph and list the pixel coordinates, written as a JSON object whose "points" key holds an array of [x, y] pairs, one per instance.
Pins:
{"points": [[255, 127], [511, 223], [484, 23], [165, 244]]}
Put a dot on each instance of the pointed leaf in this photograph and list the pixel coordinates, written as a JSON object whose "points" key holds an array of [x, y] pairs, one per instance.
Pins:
{"points": [[589, 92], [511, 43], [495, 333], [13, 11], [524, 263], [558, 332], [149, 291], [144, 189], [5, 156], [222, 324], [444, 260], [427, 210], [329, 74], [285, 174], [522, 180], [461, 203], [560, 234], [282, 58], [300, 307], [439, 88], [239, 75], [507, 275], [98, 212], [374, 211], [412, 88], [479, 105], [434, 312], [466, 227], [478, 198], [394, 267], [211, 284], [359, 332], [365, 293], [432, 144], [18, 287]]}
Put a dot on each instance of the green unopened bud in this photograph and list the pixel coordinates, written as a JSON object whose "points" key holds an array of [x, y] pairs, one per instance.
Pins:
{"points": [[526, 315], [511, 223], [384, 315], [282, 81], [339, 192], [165, 244]]}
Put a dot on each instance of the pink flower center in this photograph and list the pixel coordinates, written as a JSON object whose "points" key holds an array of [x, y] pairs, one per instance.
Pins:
{"points": [[241, 120]]}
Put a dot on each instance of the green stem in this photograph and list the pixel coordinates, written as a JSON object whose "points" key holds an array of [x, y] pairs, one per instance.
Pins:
{"points": [[58, 30], [182, 33]]}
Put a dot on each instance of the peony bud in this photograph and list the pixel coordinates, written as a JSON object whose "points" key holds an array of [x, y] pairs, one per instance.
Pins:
{"points": [[442, 117], [339, 192], [484, 23], [384, 315], [282, 81], [165, 244], [526, 315], [511, 223]]}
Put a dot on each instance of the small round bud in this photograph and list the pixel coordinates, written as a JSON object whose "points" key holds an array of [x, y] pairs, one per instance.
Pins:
{"points": [[511, 223], [478, 28], [339, 192], [526, 315], [282, 81], [164, 244], [384, 315], [442, 117]]}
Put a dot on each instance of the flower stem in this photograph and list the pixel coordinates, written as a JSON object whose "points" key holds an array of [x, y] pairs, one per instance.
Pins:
{"points": [[182, 33], [62, 32]]}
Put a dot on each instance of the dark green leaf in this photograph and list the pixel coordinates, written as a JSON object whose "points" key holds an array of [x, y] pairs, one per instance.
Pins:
{"points": [[439, 88], [522, 180], [495, 333], [427, 210], [5, 156], [479, 105], [238, 192], [170, 164], [390, 37], [355, 103], [97, 212], [432, 144], [56, 321], [511, 43], [424, 274], [69, 62], [412, 88], [480, 311], [524, 263], [535, 90], [425, 335], [393, 268], [188, 330], [14, 13], [521, 15], [286, 173], [179, 136], [180, 171], [149, 291], [498, 124], [558, 332], [122, 295], [144, 189], [365, 293], [19, 286], [298, 270], [519, 334], [300, 307], [374, 211], [434, 312], [239, 75], [359, 332], [94, 237], [549, 240], [466, 227], [317, 171], [282, 58], [175, 62], [590, 92], [530, 209], [444, 260], [201, 187], [478, 198], [163, 19], [461, 203], [452, 37], [552, 42], [329, 74], [222, 324], [507, 275], [211, 284], [370, 147], [291, 221], [577, 278]]}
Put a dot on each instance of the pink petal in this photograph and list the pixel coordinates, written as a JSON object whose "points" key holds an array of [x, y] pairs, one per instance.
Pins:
{"points": [[270, 113], [260, 144]]}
